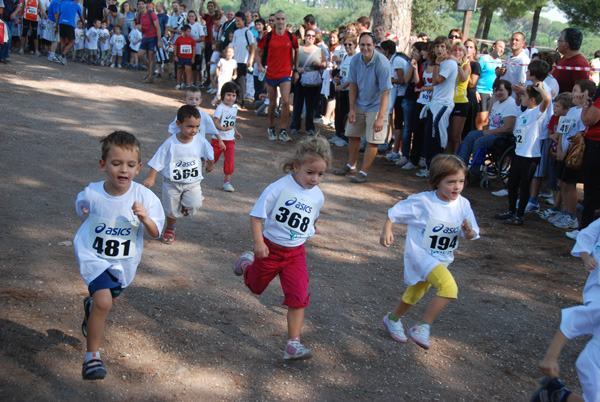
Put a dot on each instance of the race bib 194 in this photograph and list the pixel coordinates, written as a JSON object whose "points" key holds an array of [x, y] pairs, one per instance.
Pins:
{"points": [[440, 236], [112, 240], [295, 214], [185, 170]]}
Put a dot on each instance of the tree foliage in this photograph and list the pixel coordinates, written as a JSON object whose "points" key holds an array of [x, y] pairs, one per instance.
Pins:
{"points": [[582, 13]]}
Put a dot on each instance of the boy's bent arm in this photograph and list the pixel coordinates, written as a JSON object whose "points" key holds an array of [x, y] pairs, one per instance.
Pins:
{"points": [[387, 237], [260, 248], [149, 182], [149, 226]]}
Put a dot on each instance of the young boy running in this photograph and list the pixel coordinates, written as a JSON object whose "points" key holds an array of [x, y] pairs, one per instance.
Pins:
{"points": [[110, 242], [179, 160]]}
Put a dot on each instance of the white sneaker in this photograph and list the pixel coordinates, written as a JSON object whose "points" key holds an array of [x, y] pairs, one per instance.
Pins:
{"points": [[341, 143], [420, 334], [178, 86], [500, 193], [572, 235], [247, 258], [272, 134], [531, 207], [550, 200], [557, 217], [120, 66], [333, 139], [545, 195], [228, 187], [294, 350], [549, 213], [392, 156], [422, 163], [402, 161], [409, 166], [423, 173], [395, 327], [112, 65], [566, 222]]}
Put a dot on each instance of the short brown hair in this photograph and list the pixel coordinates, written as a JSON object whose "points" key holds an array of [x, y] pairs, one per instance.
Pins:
{"points": [[121, 139], [444, 165], [565, 99]]}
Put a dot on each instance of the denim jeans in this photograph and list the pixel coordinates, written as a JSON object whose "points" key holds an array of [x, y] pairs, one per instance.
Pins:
{"points": [[408, 108], [4, 48]]}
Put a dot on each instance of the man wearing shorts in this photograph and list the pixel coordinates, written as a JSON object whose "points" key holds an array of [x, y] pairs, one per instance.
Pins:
{"points": [[32, 11], [281, 53], [67, 12], [150, 42], [369, 77]]}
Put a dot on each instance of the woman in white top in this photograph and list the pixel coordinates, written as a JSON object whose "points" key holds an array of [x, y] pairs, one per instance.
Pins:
{"points": [[198, 33], [342, 86]]}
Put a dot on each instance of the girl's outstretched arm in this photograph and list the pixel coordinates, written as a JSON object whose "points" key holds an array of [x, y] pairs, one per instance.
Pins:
{"points": [[387, 237], [260, 248]]}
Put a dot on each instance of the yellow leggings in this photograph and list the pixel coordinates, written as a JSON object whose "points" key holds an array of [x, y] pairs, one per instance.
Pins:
{"points": [[440, 278]]}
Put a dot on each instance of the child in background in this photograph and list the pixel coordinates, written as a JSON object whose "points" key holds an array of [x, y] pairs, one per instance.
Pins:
{"points": [[568, 126], [224, 142], [91, 43], [79, 46], [185, 51], [217, 48], [290, 207], [108, 259], [192, 96], [135, 39], [575, 322], [104, 44], [226, 71], [179, 160], [117, 43], [429, 250], [527, 152], [562, 103]]}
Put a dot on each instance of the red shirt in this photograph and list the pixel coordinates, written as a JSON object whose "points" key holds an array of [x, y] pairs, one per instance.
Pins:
{"points": [[551, 130], [593, 132], [566, 78], [184, 47], [281, 53], [148, 28], [209, 26]]}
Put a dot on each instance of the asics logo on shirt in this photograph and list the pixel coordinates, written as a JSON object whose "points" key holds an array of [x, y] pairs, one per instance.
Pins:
{"points": [[444, 229], [112, 231]]}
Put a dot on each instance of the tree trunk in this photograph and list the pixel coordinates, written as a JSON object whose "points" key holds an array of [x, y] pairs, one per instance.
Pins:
{"points": [[250, 5], [483, 12], [488, 23], [535, 23], [395, 16]]}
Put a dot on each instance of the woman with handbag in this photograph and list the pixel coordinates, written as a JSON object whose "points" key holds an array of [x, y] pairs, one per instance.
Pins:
{"points": [[307, 77]]}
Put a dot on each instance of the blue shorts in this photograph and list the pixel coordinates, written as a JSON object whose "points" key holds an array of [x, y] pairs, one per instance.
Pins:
{"points": [[149, 44], [275, 83], [184, 62], [105, 281]]}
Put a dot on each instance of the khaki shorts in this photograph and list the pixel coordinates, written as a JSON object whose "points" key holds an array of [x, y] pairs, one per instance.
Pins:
{"points": [[363, 127], [176, 195]]}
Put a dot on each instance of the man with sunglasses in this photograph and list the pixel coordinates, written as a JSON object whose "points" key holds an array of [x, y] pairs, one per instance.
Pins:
{"points": [[369, 77]]}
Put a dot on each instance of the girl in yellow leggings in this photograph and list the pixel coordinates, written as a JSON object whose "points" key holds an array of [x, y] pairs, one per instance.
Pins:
{"points": [[435, 219]]}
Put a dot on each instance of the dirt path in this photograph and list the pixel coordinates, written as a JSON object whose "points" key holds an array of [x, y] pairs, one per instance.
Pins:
{"points": [[188, 329]]}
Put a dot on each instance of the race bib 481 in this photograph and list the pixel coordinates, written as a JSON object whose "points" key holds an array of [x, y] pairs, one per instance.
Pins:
{"points": [[112, 240]]}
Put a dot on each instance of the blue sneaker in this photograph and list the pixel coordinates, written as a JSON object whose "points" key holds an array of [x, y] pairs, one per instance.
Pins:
{"points": [[552, 390], [93, 369]]}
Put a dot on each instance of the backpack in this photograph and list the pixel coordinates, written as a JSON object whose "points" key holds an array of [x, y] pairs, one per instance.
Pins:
{"points": [[265, 53], [139, 20]]}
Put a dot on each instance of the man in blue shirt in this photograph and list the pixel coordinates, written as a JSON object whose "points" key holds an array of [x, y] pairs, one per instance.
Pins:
{"points": [[9, 13], [67, 13], [370, 78]]}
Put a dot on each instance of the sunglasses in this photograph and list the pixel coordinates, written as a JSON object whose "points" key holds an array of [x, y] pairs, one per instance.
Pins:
{"points": [[366, 33], [255, 16], [310, 36], [454, 37], [349, 44]]}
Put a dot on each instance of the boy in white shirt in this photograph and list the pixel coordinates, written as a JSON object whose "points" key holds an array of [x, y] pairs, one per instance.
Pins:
{"points": [[193, 96], [79, 46], [91, 42], [117, 43], [109, 244], [135, 39], [179, 160], [527, 131], [104, 44]]}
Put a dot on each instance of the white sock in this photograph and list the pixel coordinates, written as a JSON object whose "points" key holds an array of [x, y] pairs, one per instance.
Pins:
{"points": [[362, 172], [91, 355]]}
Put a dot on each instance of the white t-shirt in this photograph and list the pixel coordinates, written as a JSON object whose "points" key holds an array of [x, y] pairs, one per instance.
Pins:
{"points": [[226, 68], [569, 125], [214, 58], [117, 42], [181, 163], [443, 93], [134, 36], [499, 111], [104, 34], [398, 62], [242, 38], [198, 30], [112, 237], [207, 126], [433, 227], [516, 74], [93, 34], [226, 116], [425, 96], [79, 39], [527, 132], [552, 85], [588, 240], [289, 211], [344, 67]]}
